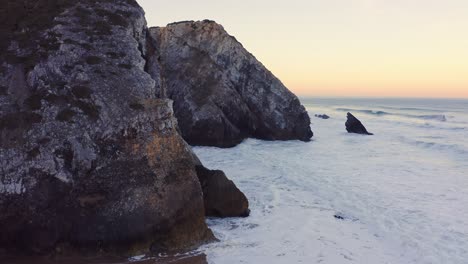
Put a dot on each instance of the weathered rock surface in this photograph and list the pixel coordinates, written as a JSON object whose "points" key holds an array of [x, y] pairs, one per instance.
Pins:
{"points": [[353, 125], [222, 94], [324, 116], [222, 197], [60, 259], [89, 158]]}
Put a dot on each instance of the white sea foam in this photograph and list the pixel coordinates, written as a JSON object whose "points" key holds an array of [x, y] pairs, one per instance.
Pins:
{"points": [[402, 194], [441, 118]]}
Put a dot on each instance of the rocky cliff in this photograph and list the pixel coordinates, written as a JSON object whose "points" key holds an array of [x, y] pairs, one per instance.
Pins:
{"points": [[89, 157], [221, 93]]}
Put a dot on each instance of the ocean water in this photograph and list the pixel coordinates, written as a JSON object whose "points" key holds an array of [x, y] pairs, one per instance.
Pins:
{"points": [[400, 196]]}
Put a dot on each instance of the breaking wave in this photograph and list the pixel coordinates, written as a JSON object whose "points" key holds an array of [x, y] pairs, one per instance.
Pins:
{"points": [[371, 112], [437, 146], [411, 109], [441, 118]]}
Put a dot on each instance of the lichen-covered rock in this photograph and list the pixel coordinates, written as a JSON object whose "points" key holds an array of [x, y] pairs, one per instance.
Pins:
{"points": [[222, 197], [221, 93], [89, 158]]}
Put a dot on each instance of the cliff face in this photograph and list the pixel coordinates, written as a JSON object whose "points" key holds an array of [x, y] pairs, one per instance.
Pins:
{"points": [[89, 157], [221, 93]]}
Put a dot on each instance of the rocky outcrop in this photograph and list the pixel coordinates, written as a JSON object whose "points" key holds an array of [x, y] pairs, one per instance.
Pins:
{"points": [[194, 258], [353, 125], [324, 116], [221, 196], [90, 159], [221, 93]]}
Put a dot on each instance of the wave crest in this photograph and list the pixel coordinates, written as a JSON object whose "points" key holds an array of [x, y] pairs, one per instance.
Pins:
{"points": [[441, 118]]}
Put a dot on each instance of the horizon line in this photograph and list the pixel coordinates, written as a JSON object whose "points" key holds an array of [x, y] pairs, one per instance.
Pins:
{"points": [[378, 97]]}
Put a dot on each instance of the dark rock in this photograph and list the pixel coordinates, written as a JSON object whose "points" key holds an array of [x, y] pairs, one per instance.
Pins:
{"points": [[107, 259], [222, 94], [353, 125], [339, 217], [90, 159], [324, 116], [221, 196]]}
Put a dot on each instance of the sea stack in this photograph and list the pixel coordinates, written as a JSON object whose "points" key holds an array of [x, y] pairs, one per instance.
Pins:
{"points": [[353, 125], [222, 94]]}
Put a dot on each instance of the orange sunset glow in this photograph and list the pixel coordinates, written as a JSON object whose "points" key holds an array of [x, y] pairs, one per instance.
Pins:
{"points": [[376, 48]]}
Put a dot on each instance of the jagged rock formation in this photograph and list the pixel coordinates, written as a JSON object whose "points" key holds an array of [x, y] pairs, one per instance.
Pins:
{"points": [[89, 157], [222, 197], [221, 93], [353, 125]]}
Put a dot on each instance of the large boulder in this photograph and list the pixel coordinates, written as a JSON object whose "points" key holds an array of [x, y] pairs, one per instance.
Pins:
{"points": [[221, 196], [90, 159], [353, 125], [222, 94]]}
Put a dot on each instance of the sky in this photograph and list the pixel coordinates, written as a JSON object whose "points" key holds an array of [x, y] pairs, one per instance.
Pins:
{"points": [[361, 48]]}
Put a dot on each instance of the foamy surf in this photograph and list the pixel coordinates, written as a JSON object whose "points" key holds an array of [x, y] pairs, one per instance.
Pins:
{"points": [[441, 118], [397, 197]]}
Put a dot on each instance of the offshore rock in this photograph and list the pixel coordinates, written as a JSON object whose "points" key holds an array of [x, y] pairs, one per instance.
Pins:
{"points": [[222, 94], [90, 160], [222, 197], [322, 116], [353, 125]]}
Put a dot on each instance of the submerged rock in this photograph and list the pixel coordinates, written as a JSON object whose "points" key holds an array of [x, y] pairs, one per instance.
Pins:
{"points": [[90, 158], [324, 116], [222, 197], [353, 125], [339, 217], [222, 94]]}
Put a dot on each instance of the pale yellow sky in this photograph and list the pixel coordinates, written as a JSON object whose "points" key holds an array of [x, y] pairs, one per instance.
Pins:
{"points": [[407, 48]]}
